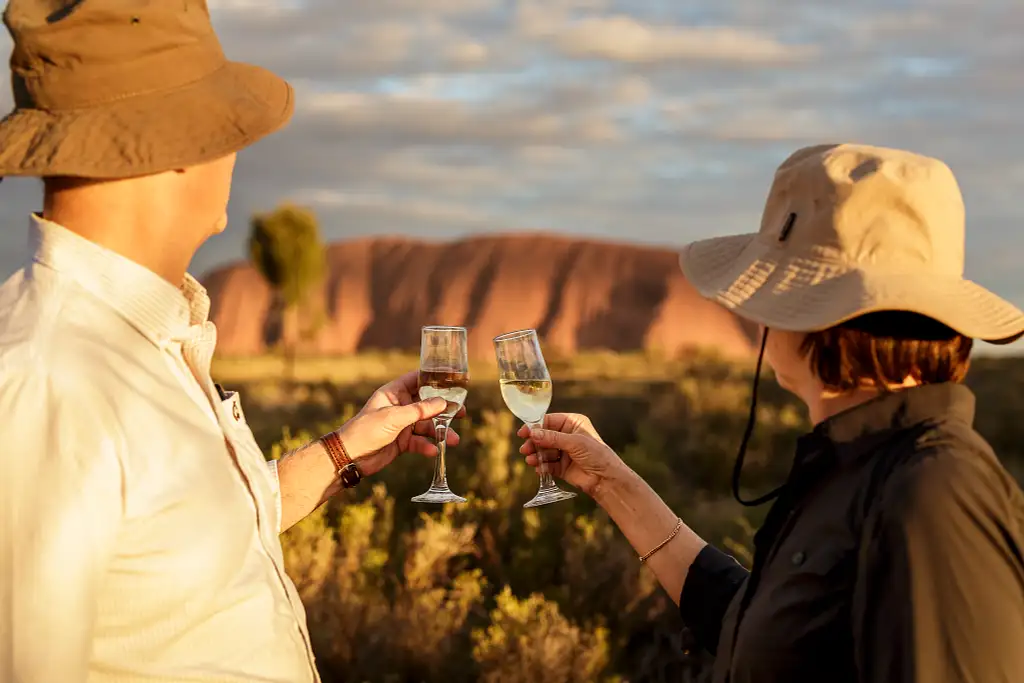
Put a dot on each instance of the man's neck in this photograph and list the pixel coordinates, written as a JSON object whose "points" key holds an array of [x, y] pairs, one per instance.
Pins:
{"points": [[154, 245]]}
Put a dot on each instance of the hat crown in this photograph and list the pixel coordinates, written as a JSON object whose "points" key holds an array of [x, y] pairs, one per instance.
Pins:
{"points": [[868, 207], [71, 54]]}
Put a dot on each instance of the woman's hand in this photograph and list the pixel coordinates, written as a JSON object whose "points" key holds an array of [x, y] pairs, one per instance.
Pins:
{"points": [[393, 421], [585, 462]]}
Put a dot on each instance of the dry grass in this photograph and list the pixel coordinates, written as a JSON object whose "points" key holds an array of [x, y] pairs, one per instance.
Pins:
{"points": [[382, 366], [488, 591]]}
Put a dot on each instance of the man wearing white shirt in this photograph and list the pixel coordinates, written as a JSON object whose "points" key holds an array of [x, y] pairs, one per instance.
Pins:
{"points": [[139, 521]]}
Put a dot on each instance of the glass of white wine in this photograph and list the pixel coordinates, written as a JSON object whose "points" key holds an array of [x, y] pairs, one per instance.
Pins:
{"points": [[444, 372], [526, 388]]}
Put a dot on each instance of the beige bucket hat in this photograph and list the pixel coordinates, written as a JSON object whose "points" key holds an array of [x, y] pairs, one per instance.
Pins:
{"points": [[123, 88], [849, 230]]}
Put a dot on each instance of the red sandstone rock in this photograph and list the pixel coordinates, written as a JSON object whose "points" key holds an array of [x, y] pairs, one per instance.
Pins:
{"points": [[579, 294]]}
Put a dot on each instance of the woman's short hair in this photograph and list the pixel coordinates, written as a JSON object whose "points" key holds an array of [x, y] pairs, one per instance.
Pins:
{"points": [[884, 349]]}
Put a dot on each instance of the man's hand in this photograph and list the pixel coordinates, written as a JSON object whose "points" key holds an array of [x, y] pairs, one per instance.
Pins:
{"points": [[394, 421]]}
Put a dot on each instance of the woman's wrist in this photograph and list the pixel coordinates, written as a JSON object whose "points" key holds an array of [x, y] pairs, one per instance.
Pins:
{"points": [[611, 485], [667, 546]]}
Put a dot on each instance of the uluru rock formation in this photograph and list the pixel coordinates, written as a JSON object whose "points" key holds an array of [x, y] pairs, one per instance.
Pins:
{"points": [[578, 294]]}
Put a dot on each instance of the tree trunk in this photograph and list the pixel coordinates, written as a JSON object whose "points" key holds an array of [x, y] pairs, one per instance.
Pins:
{"points": [[290, 337], [289, 361]]}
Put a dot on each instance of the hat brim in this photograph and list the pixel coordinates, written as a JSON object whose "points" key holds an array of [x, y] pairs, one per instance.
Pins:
{"points": [[804, 293], [226, 111]]}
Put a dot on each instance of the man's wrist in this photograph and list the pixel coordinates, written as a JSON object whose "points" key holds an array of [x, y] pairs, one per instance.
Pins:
{"points": [[351, 440], [345, 468]]}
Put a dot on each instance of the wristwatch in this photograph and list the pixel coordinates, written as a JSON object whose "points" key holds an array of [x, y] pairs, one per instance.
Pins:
{"points": [[345, 468]]}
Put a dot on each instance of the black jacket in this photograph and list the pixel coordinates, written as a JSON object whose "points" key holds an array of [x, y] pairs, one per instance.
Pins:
{"points": [[894, 555]]}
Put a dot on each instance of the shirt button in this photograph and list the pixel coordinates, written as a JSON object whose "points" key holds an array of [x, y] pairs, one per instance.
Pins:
{"points": [[798, 558]]}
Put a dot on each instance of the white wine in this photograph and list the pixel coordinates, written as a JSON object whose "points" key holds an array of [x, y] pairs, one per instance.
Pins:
{"points": [[528, 399], [451, 385]]}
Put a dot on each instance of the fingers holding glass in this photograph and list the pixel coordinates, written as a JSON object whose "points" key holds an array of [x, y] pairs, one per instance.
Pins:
{"points": [[527, 391], [444, 373]]}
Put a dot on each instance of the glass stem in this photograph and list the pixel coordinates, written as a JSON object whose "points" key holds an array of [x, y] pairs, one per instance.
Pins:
{"points": [[547, 481], [440, 471]]}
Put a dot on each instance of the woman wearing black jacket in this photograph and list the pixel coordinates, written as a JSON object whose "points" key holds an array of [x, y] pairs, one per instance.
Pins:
{"points": [[893, 552]]}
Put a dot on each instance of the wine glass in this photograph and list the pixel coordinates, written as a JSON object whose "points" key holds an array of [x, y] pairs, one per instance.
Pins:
{"points": [[526, 388], [444, 372]]}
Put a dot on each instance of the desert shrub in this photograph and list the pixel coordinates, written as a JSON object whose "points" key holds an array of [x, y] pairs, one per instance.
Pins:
{"points": [[397, 592], [529, 641], [368, 609]]}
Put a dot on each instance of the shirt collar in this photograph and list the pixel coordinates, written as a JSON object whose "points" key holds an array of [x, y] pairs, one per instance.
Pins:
{"points": [[151, 304], [899, 410], [858, 430]]}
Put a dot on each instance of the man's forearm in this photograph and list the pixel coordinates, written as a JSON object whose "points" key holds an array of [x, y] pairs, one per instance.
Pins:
{"points": [[308, 479], [646, 521]]}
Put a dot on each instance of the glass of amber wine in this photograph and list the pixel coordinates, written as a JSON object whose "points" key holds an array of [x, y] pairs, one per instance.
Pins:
{"points": [[444, 372], [526, 389]]}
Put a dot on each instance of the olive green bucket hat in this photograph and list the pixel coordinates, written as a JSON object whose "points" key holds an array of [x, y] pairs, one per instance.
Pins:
{"points": [[109, 89], [849, 230]]}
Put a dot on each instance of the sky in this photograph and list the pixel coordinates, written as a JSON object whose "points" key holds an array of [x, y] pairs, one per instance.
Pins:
{"points": [[656, 121]]}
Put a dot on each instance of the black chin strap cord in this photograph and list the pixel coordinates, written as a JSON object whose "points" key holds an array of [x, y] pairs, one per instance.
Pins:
{"points": [[738, 467]]}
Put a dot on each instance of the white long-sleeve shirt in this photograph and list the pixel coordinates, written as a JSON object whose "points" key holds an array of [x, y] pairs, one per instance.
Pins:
{"points": [[139, 520]]}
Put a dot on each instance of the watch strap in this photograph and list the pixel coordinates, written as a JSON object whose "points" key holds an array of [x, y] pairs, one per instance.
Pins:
{"points": [[345, 468]]}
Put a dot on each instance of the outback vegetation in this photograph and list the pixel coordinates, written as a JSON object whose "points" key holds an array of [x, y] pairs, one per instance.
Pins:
{"points": [[397, 592], [488, 591]]}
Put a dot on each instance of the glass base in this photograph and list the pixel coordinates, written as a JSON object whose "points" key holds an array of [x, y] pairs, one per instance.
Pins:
{"points": [[548, 496], [438, 495]]}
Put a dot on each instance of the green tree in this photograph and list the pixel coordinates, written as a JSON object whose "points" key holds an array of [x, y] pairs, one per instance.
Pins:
{"points": [[285, 247]]}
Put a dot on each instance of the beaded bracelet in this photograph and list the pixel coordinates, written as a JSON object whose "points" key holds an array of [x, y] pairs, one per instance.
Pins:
{"points": [[675, 532]]}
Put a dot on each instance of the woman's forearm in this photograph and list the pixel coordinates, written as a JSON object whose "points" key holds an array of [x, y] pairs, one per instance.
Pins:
{"points": [[646, 521]]}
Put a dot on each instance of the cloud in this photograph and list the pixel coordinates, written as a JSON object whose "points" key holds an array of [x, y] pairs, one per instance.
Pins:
{"points": [[466, 53], [800, 126], [338, 11], [329, 39], [627, 39], [384, 206], [429, 120], [652, 121]]}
